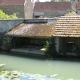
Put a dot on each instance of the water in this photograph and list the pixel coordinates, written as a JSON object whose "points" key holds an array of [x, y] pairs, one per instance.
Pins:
{"points": [[65, 68]]}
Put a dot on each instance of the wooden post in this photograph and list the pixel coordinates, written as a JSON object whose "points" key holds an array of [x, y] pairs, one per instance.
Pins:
{"points": [[57, 43]]}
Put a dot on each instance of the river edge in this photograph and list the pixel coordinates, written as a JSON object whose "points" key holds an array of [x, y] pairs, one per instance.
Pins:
{"points": [[70, 60], [40, 57]]}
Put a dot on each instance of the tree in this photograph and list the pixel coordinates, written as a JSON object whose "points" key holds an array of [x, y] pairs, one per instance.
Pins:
{"points": [[71, 13], [6, 16]]}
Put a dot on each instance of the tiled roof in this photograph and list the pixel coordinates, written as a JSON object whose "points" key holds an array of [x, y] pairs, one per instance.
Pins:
{"points": [[11, 2], [51, 6], [33, 30], [68, 26], [78, 5]]}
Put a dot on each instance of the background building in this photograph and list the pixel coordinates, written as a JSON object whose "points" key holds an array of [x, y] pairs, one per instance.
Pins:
{"points": [[23, 8], [51, 9]]}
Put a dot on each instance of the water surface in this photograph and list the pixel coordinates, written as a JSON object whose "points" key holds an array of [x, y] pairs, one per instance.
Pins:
{"points": [[67, 68]]}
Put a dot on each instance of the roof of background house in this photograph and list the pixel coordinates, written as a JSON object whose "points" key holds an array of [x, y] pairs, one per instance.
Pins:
{"points": [[78, 5], [33, 30], [11, 2], [68, 26], [51, 6]]}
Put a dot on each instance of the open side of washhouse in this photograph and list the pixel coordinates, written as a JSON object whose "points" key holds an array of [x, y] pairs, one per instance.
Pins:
{"points": [[66, 32]]}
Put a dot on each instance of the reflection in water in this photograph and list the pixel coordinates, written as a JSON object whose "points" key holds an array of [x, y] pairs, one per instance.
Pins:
{"points": [[60, 68]]}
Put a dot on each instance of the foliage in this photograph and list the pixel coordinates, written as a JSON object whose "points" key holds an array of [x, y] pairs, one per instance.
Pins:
{"points": [[71, 13], [6, 16], [50, 48], [77, 50]]}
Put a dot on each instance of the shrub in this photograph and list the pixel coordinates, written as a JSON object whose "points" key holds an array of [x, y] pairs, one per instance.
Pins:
{"points": [[6, 16], [71, 13], [50, 48]]}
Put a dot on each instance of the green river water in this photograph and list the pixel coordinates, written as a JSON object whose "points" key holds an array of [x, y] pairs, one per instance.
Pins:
{"points": [[68, 68]]}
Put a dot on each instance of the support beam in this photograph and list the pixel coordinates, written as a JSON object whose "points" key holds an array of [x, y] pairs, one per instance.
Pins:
{"points": [[57, 43]]}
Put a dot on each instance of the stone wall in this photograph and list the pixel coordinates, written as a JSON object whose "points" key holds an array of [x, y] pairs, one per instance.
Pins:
{"points": [[14, 9], [6, 25]]}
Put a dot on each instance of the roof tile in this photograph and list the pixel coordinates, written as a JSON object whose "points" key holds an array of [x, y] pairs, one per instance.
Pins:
{"points": [[28, 30], [51, 6], [11, 2], [68, 26]]}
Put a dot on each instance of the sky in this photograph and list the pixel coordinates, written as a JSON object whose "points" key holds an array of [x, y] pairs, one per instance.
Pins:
{"points": [[43, 0]]}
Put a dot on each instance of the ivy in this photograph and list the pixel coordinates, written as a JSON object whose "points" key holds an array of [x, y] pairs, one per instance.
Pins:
{"points": [[50, 48]]}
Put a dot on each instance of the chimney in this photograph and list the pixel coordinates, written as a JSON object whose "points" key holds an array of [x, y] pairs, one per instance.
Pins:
{"points": [[28, 9]]}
